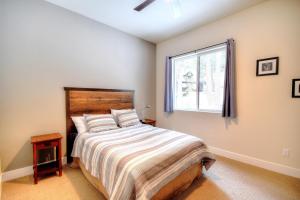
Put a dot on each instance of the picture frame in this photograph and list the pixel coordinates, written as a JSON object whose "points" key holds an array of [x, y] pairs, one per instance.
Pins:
{"points": [[267, 66], [296, 88]]}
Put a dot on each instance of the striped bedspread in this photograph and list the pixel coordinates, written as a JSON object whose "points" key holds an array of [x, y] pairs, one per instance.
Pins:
{"points": [[136, 162]]}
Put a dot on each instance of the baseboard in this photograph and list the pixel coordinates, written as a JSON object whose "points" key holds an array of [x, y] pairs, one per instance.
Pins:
{"points": [[282, 169], [21, 172], [279, 168]]}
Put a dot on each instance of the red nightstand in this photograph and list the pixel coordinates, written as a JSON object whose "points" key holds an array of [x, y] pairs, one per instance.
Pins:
{"points": [[42, 142]]}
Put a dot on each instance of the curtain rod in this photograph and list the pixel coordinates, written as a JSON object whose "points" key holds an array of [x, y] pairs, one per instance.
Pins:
{"points": [[194, 51]]}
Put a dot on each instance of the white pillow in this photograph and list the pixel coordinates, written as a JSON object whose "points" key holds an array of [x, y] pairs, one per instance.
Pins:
{"points": [[115, 113], [128, 118], [102, 122], [80, 124]]}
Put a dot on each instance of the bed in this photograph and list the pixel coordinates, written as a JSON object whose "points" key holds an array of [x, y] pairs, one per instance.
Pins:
{"points": [[137, 162]]}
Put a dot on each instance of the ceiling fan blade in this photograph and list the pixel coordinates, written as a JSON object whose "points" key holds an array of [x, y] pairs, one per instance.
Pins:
{"points": [[143, 5]]}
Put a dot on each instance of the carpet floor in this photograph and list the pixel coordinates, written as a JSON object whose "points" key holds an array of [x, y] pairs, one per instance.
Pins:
{"points": [[227, 179]]}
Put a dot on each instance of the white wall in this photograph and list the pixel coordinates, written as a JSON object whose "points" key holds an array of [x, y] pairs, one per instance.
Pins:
{"points": [[268, 118], [44, 48]]}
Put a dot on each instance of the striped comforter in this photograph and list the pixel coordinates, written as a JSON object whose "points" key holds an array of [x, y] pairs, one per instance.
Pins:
{"points": [[137, 161]]}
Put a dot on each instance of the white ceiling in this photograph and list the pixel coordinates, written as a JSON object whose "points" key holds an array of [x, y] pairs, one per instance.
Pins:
{"points": [[156, 22]]}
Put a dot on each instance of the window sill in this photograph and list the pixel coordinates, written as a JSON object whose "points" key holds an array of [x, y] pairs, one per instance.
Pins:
{"points": [[200, 111]]}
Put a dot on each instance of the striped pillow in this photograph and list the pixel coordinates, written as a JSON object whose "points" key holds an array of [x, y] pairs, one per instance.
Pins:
{"points": [[129, 118], [97, 123], [115, 113]]}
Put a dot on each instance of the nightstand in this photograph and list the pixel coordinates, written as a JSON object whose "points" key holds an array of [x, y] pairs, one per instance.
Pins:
{"points": [[149, 122], [44, 142]]}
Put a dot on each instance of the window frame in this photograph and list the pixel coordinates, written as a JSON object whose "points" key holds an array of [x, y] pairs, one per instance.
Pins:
{"points": [[197, 53]]}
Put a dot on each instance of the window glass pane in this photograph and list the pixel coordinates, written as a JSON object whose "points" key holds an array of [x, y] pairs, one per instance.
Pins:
{"points": [[212, 71], [185, 87]]}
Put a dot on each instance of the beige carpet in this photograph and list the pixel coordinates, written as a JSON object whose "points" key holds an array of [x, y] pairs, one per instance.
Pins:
{"points": [[226, 179]]}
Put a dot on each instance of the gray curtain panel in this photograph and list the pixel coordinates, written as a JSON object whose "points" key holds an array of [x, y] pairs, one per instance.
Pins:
{"points": [[168, 106], [229, 100]]}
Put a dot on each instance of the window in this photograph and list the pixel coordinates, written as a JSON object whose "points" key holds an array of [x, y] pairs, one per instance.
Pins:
{"points": [[199, 80]]}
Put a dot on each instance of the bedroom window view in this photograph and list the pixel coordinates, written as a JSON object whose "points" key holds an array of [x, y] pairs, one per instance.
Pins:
{"points": [[199, 80]]}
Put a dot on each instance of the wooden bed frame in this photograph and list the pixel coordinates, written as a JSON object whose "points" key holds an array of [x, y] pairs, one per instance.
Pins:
{"points": [[81, 101], [99, 101]]}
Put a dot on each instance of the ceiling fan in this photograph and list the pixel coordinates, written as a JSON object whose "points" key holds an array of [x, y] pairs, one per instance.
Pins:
{"points": [[174, 4], [143, 5]]}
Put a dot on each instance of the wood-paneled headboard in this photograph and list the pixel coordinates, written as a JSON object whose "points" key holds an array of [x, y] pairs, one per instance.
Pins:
{"points": [[81, 101]]}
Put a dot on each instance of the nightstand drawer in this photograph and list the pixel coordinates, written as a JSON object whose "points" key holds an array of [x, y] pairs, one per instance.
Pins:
{"points": [[45, 145]]}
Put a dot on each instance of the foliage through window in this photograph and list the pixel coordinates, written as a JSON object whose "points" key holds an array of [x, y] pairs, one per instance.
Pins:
{"points": [[199, 80]]}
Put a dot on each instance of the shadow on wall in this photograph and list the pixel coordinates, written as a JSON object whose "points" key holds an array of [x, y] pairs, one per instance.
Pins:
{"points": [[21, 158], [195, 114]]}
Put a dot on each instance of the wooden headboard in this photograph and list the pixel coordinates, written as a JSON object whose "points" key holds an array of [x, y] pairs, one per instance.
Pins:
{"points": [[81, 101]]}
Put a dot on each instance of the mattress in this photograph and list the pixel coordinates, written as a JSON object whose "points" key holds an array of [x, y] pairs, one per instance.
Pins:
{"points": [[138, 161]]}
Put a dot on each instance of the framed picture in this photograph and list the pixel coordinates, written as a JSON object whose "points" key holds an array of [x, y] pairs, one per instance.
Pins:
{"points": [[267, 66], [296, 88]]}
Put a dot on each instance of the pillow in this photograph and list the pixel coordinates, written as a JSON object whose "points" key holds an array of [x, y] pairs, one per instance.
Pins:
{"points": [[80, 124], [115, 112], [128, 118], [97, 123]]}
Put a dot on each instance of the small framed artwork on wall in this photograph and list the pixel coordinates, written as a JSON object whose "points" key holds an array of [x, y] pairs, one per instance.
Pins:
{"points": [[267, 66], [296, 88]]}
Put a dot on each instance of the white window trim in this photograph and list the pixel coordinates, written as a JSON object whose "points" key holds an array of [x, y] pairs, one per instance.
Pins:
{"points": [[201, 111], [204, 51]]}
